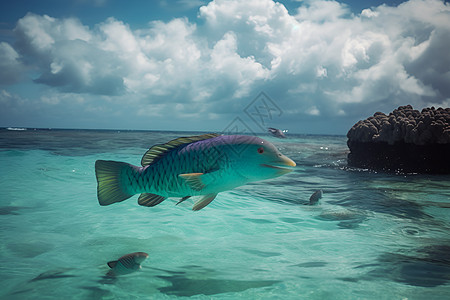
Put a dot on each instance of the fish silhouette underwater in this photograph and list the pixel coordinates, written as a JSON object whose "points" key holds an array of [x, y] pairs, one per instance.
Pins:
{"points": [[202, 165], [127, 264], [315, 197]]}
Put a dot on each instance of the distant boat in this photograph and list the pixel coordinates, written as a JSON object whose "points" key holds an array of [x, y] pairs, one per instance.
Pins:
{"points": [[16, 129], [277, 132]]}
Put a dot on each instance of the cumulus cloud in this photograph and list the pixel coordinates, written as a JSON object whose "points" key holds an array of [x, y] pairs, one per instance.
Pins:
{"points": [[10, 66], [320, 60], [67, 55]]}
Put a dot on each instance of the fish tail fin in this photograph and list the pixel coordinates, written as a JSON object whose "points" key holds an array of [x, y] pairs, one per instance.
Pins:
{"points": [[112, 181]]}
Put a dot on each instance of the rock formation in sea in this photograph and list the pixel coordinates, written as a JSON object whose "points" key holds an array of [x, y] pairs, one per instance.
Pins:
{"points": [[405, 141]]}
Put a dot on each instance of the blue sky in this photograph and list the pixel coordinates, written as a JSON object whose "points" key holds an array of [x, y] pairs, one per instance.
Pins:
{"points": [[224, 65]]}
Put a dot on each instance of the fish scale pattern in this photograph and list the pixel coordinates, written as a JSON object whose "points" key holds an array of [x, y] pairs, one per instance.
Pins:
{"points": [[131, 178], [161, 177]]}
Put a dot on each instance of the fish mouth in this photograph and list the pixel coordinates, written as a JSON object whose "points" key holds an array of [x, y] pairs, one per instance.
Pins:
{"points": [[281, 170], [279, 164]]}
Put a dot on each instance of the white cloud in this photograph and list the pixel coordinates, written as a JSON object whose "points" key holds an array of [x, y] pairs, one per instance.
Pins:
{"points": [[118, 38], [322, 60], [67, 55], [322, 11], [10, 66], [39, 33], [226, 63], [8, 99], [168, 61], [321, 72], [369, 13], [313, 111]]}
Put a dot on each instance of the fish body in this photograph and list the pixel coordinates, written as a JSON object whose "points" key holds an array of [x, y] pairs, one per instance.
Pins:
{"points": [[127, 264], [314, 199], [191, 166]]}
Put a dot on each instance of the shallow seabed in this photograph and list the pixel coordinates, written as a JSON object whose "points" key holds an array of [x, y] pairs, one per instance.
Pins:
{"points": [[372, 236]]}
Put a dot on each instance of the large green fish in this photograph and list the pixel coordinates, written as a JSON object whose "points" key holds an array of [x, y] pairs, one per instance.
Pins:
{"points": [[191, 166]]}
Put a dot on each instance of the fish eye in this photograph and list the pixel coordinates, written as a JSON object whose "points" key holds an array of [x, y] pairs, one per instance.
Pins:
{"points": [[260, 150]]}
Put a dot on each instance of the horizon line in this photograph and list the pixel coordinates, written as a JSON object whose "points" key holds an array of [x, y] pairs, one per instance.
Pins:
{"points": [[20, 128]]}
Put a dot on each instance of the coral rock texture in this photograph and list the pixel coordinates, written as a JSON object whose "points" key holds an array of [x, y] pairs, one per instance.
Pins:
{"points": [[406, 141]]}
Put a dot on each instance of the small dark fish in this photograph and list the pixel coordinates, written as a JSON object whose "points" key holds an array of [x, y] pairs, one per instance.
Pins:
{"points": [[340, 215], [127, 264], [312, 264], [184, 286], [277, 132], [10, 210], [52, 275], [314, 199]]}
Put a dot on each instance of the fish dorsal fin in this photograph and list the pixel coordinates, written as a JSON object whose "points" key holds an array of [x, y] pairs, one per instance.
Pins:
{"points": [[158, 151], [112, 264], [148, 199]]}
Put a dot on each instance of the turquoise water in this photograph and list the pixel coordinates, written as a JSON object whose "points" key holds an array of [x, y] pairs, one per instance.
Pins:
{"points": [[372, 236]]}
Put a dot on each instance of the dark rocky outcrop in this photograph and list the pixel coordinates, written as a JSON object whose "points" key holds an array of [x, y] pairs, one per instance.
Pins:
{"points": [[406, 141]]}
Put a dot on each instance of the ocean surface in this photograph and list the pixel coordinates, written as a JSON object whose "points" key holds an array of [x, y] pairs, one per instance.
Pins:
{"points": [[371, 236]]}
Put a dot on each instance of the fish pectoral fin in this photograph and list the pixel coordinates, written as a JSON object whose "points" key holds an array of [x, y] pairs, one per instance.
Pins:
{"points": [[205, 200], [182, 199], [194, 180], [148, 199], [112, 264]]}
